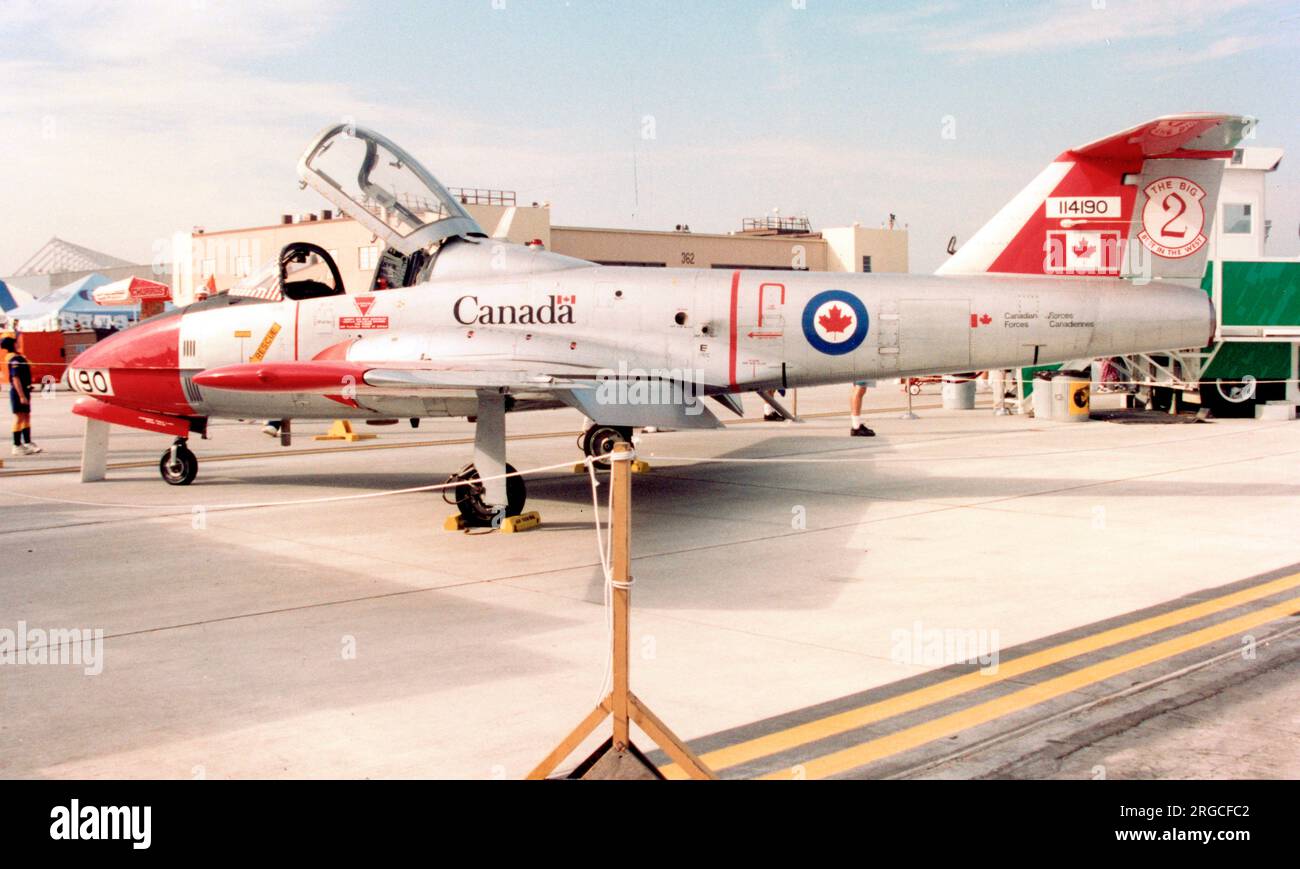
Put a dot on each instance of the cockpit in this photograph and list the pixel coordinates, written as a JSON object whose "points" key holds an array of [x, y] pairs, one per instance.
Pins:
{"points": [[302, 271], [413, 219], [386, 190]]}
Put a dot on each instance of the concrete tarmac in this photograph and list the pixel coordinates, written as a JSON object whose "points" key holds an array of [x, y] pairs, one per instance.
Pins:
{"points": [[356, 638]]}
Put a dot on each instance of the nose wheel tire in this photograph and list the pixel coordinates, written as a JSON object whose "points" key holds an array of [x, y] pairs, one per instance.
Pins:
{"points": [[599, 440], [468, 498], [178, 466]]}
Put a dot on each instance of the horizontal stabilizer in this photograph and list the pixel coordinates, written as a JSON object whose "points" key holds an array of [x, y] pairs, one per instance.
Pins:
{"points": [[1191, 136]]}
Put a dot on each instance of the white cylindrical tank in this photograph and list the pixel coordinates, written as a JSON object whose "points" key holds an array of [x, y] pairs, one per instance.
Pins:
{"points": [[1071, 396], [958, 392]]}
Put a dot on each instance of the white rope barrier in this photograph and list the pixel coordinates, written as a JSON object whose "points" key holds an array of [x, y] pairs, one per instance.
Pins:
{"points": [[253, 505], [604, 543]]}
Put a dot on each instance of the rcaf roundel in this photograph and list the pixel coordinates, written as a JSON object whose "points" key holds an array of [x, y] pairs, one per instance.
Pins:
{"points": [[835, 322]]}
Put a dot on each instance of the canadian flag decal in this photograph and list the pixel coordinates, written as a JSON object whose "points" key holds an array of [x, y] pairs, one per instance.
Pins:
{"points": [[1088, 252]]}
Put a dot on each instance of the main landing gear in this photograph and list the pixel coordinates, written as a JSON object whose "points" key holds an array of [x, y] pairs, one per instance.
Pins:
{"points": [[599, 440], [178, 466], [469, 497], [483, 493]]}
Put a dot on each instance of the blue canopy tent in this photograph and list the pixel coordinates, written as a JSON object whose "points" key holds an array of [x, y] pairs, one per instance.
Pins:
{"points": [[72, 308]]}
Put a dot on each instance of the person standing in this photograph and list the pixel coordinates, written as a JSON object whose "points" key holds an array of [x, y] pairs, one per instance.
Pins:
{"points": [[20, 397], [998, 386], [856, 428], [999, 381]]}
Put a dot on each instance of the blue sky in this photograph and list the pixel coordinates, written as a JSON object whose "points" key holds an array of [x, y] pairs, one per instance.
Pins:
{"points": [[123, 122]]}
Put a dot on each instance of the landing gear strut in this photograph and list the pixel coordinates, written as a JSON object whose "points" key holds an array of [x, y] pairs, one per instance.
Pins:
{"points": [[178, 466], [599, 440], [484, 495]]}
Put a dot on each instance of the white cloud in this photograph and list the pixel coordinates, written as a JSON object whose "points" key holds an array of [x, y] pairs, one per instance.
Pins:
{"points": [[909, 19], [1075, 23], [156, 31], [123, 122], [1219, 49]]}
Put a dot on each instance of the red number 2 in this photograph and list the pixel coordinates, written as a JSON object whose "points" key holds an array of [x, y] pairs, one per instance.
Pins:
{"points": [[1182, 206]]}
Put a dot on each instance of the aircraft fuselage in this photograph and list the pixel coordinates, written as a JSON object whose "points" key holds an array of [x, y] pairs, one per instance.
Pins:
{"points": [[732, 331]]}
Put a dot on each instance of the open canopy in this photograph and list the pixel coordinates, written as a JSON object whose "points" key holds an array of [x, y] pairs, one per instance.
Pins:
{"points": [[383, 188]]}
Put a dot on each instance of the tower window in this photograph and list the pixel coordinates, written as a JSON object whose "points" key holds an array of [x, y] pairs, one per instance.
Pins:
{"points": [[1237, 218]]}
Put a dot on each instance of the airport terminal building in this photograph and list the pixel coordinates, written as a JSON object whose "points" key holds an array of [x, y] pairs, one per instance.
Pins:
{"points": [[782, 243]]}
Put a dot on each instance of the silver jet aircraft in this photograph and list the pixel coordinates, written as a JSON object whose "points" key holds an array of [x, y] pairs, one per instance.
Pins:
{"points": [[1101, 255]]}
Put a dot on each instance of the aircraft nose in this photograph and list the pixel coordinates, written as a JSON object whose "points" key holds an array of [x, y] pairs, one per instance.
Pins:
{"points": [[148, 345], [138, 368]]}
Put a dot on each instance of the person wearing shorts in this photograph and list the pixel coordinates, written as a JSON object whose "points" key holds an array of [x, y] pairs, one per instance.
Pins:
{"points": [[20, 397], [856, 428]]}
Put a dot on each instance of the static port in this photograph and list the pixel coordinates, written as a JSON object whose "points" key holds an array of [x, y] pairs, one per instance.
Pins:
{"points": [[680, 319]]}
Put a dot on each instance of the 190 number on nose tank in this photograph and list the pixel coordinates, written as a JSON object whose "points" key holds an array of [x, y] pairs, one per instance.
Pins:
{"points": [[91, 381]]}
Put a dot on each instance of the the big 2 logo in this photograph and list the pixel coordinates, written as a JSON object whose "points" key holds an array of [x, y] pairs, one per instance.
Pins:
{"points": [[1173, 217]]}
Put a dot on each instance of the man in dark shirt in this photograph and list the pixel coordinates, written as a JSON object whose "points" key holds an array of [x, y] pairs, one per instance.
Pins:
{"points": [[20, 397]]}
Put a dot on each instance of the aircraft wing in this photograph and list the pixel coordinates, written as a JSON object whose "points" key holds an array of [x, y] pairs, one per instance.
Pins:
{"points": [[328, 377], [574, 385]]}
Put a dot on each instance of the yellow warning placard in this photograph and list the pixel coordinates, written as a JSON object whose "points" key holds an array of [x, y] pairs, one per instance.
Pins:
{"points": [[266, 343]]}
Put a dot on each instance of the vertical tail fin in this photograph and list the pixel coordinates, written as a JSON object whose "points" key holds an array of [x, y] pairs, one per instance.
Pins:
{"points": [[1138, 203]]}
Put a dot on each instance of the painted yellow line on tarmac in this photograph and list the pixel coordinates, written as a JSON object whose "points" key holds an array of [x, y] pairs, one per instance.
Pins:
{"points": [[852, 719], [912, 737]]}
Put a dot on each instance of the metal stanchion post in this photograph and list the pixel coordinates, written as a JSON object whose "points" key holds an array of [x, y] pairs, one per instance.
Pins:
{"points": [[907, 387]]}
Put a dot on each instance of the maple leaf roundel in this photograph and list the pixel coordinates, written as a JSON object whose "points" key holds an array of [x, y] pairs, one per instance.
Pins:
{"points": [[835, 322]]}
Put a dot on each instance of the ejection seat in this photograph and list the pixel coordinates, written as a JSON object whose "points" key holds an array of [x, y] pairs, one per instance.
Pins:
{"points": [[303, 257]]}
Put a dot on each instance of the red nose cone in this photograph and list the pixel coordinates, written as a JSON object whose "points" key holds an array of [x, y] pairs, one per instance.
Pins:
{"points": [[139, 368]]}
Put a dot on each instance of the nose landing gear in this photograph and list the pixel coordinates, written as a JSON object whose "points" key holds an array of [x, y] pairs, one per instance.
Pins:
{"points": [[599, 440], [178, 466]]}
